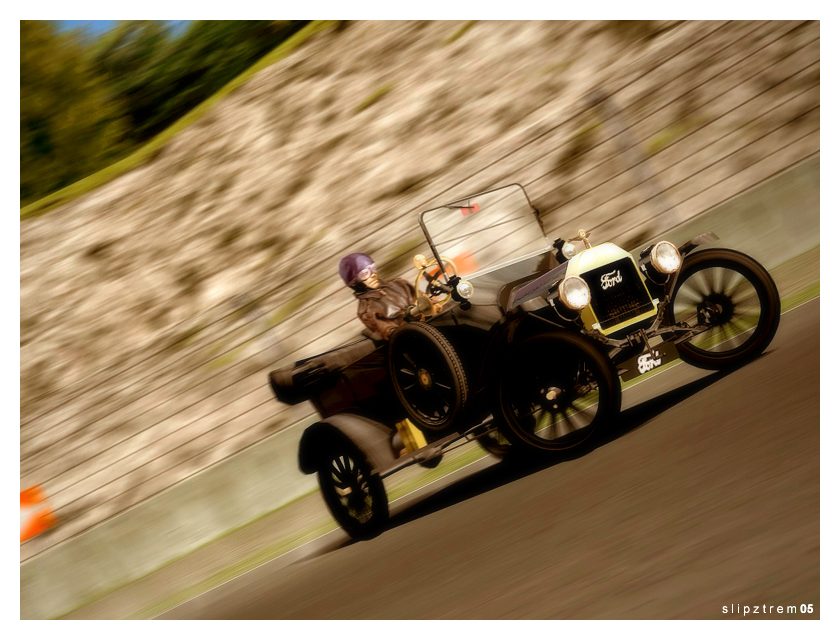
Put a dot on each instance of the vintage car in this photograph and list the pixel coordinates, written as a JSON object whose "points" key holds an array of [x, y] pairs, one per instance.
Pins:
{"points": [[517, 342]]}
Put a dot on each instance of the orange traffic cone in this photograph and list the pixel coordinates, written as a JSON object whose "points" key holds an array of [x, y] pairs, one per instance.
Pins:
{"points": [[35, 516]]}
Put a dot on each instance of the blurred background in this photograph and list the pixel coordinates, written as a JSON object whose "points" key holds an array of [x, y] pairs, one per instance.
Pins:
{"points": [[93, 91], [187, 189]]}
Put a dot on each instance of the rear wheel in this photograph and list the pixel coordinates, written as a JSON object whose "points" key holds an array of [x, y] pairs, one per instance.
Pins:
{"points": [[734, 298], [354, 494], [558, 390]]}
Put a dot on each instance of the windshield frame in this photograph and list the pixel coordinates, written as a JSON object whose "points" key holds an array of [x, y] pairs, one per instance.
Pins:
{"points": [[465, 201]]}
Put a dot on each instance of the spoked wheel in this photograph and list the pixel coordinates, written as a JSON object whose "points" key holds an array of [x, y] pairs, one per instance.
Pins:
{"points": [[734, 299], [354, 494], [427, 375], [558, 390]]}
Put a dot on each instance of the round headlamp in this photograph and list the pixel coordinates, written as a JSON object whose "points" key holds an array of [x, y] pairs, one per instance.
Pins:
{"points": [[568, 250], [574, 293], [465, 289], [665, 258]]}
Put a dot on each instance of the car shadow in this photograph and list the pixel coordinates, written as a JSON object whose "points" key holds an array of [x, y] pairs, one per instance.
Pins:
{"points": [[505, 472]]}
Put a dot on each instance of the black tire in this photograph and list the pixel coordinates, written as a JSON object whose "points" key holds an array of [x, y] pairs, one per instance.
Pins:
{"points": [[739, 300], [427, 376], [354, 494], [554, 379]]}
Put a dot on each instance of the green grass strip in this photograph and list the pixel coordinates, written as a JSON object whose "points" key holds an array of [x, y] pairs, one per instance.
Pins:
{"points": [[800, 297], [148, 150], [109, 590], [451, 463], [242, 566], [292, 542]]}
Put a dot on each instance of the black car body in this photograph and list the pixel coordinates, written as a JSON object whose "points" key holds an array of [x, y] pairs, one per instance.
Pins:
{"points": [[520, 346]]}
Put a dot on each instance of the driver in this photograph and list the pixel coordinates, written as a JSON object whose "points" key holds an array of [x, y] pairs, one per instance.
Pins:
{"points": [[383, 306]]}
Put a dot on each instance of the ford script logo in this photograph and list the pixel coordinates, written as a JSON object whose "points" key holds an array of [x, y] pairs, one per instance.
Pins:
{"points": [[648, 361], [610, 278]]}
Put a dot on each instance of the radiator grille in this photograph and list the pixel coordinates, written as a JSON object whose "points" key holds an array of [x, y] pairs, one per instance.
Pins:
{"points": [[624, 297]]}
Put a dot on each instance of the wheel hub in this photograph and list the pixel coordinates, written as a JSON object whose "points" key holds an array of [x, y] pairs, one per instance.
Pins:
{"points": [[425, 379], [716, 309], [354, 493], [551, 398]]}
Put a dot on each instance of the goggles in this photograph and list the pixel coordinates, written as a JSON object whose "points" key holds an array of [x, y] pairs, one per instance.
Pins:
{"points": [[366, 273]]}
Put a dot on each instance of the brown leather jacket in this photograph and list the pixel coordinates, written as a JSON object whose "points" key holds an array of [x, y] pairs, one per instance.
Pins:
{"points": [[382, 310]]}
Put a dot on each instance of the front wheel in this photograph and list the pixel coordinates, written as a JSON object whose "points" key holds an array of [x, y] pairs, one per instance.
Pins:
{"points": [[557, 391], [354, 494], [733, 302]]}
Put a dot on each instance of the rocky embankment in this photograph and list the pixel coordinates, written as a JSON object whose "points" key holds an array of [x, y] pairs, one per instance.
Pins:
{"points": [[152, 309]]}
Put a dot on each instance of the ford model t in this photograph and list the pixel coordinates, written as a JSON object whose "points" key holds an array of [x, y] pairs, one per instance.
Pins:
{"points": [[518, 342]]}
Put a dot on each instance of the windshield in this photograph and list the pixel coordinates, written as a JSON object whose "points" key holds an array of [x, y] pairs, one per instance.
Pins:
{"points": [[485, 231]]}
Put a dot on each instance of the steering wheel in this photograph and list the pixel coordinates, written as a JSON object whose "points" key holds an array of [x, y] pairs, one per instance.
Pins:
{"points": [[430, 283]]}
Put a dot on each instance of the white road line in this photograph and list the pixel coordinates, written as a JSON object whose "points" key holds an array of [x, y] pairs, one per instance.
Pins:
{"points": [[309, 542], [802, 304], [443, 477], [239, 575]]}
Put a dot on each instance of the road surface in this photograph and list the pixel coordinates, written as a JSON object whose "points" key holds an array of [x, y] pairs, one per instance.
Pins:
{"points": [[706, 497]]}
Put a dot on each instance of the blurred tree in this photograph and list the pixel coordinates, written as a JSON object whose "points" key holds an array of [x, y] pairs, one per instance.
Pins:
{"points": [[87, 101], [160, 78], [69, 123], [130, 56]]}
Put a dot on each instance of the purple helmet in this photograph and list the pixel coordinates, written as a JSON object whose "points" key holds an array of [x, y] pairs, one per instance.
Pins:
{"points": [[352, 265]]}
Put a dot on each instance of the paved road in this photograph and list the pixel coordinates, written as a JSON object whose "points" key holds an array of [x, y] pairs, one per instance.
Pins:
{"points": [[706, 497]]}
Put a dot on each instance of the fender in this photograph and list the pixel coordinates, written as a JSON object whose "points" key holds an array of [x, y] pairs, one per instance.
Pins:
{"points": [[696, 241], [371, 437]]}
